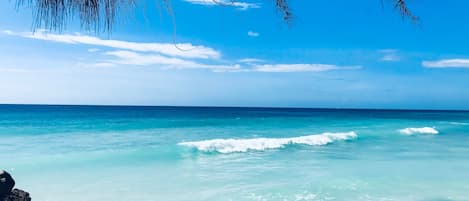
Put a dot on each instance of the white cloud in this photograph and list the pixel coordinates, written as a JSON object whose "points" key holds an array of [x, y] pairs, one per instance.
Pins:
{"points": [[93, 50], [169, 49], [136, 59], [447, 63], [166, 55], [103, 65], [95, 65], [288, 68], [7, 32], [16, 70], [253, 34], [237, 4], [389, 55], [251, 60]]}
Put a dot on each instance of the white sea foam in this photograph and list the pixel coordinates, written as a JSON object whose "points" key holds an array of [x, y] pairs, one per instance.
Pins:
{"points": [[259, 144], [423, 130], [460, 123]]}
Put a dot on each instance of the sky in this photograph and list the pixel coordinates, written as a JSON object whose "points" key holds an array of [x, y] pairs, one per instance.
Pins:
{"points": [[333, 54]]}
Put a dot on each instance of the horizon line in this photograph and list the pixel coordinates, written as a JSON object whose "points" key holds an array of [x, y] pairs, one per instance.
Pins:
{"points": [[247, 107]]}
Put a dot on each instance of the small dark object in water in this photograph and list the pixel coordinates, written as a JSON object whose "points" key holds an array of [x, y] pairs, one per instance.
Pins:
{"points": [[18, 195], [6, 193], [6, 184]]}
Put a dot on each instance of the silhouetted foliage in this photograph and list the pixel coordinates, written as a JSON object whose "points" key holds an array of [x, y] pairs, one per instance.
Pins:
{"points": [[405, 11], [101, 14]]}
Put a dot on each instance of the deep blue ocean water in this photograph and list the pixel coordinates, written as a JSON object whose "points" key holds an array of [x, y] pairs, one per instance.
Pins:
{"points": [[117, 153]]}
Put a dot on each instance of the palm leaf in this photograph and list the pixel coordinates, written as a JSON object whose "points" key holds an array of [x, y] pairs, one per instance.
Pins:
{"points": [[101, 14]]}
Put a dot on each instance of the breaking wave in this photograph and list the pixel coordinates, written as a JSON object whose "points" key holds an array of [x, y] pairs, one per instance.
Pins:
{"points": [[423, 130], [460, 123], [260, 144]]}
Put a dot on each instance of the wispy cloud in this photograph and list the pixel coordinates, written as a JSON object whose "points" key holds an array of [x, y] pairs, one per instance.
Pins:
{"points": [[16, 70], [137, 59], [168, 49], [8, 32], [238, 4], [95, 65], [251, 60], [389, 55], [134, 58], [103, 65], [93, 50], [289, 68], [167, 56], [253, 34], [447, 63]]}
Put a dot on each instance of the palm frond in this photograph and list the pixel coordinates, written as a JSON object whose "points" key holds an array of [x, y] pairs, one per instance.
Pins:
{"points": [[282, 6], [93, 14], [101, 14], [401, 5]]}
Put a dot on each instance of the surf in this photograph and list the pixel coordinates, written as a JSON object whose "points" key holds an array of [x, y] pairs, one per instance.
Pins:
{"points": [[260, 144], [423, 130]]}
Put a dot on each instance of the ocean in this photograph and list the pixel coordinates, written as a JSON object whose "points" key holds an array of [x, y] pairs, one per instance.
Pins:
{"points": [[120, 153]]}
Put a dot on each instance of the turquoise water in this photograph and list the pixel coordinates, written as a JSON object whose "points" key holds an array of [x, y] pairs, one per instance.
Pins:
{"points": [[83, 153]]}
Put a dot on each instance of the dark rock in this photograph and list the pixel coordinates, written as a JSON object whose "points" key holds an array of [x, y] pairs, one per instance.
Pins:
{"points": [[6, 184], [18, 195]]}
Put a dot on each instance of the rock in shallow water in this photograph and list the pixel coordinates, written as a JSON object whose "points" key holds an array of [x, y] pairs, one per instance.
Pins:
{"points": [[18, 195], [6, 184]]}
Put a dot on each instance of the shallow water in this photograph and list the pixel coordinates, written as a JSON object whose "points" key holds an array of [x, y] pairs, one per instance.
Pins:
{"points": [[82, 153]]}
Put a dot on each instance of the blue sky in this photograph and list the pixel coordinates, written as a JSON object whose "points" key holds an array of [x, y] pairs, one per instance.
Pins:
{"points": [[335, 53]]}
